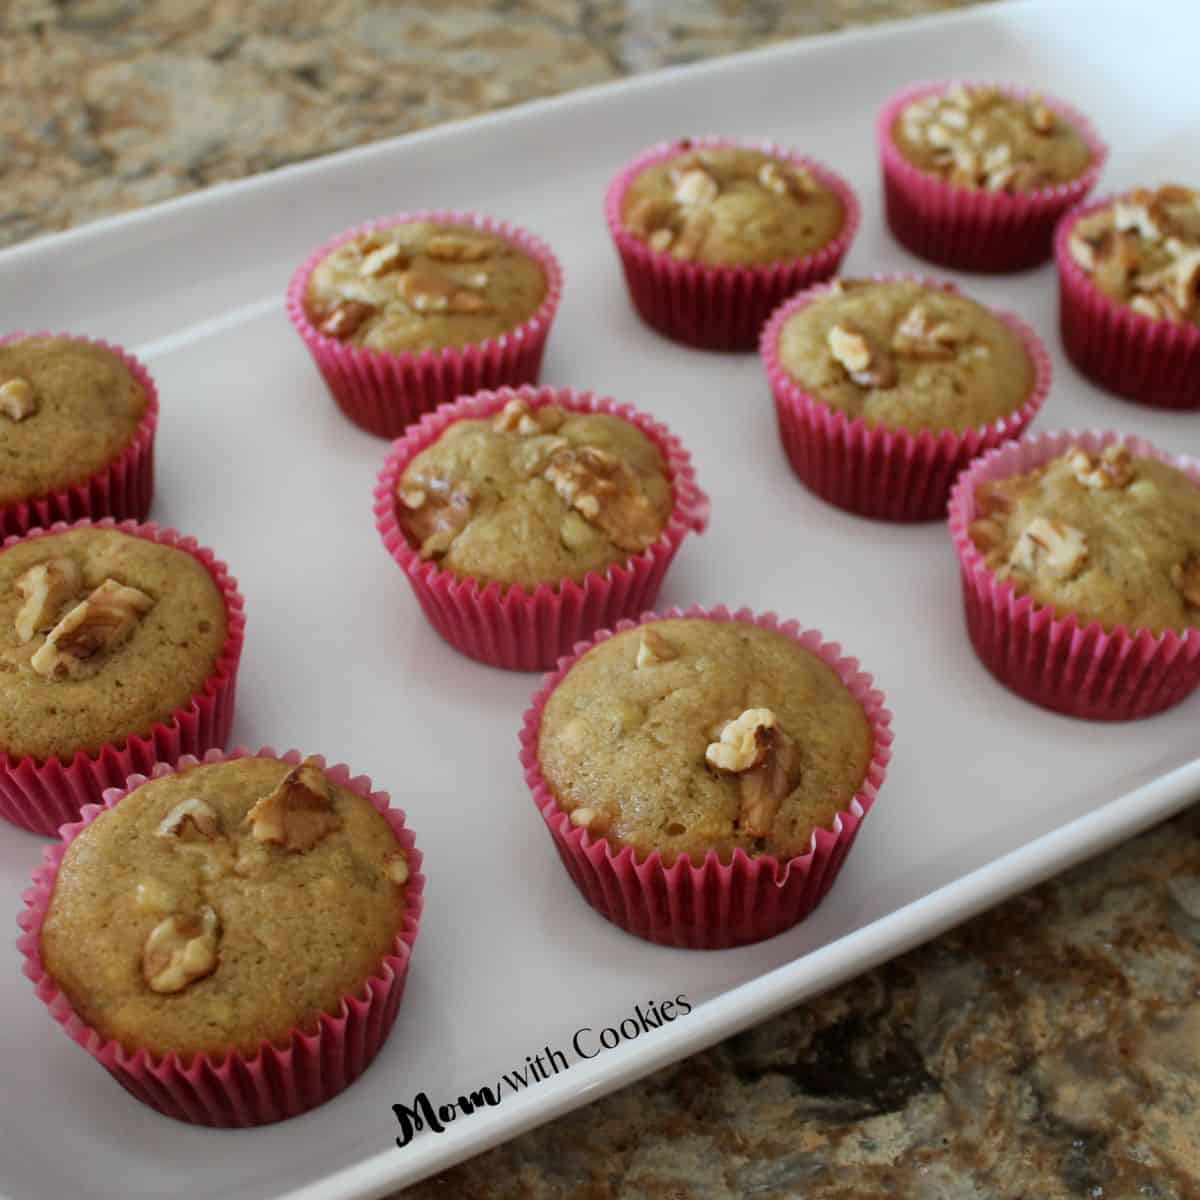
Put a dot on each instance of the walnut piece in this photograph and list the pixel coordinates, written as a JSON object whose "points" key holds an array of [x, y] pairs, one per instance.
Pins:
{"points": [[743, 743], [1112, 468], [919, 336], [1061, 548], [191, 820], [450, 247], [438, 510], [603, 490], [388, 257], [649, 215], [181, 950], [426, 292], [753, 747], [96, 626], [786, 179], [517, 417], [346, 319], [654, 649], [692, 234], [45, 588], [18, 400], [395, 866], [1186, 577], [696, 186], [1041, 118], [298, 813], [1180, 281], [865, 363]]}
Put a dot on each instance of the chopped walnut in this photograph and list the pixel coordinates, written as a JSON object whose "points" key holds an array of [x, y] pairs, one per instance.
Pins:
{"points": [[1180, 281], [743, 743], [388, 257], [649, 215], [450, 247], [1041, 118], [692, 235], [1112, 468], [1186, 577], [298, 813], [345, 320], [181, 950], [654, 649], [517, 417], [96, 626], [1061, 548], [921, 337], [438, 510], [18, 400], [754, 748], [152, 895], [1138, 213], [696, 187], [866, 364], [191, 820], [45, 588], [786, 179], [604, 491], [986, 534], [428, 293], [395, 866], [661, 239]]}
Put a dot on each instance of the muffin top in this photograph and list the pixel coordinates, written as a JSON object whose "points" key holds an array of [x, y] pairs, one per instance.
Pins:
{"points": [[533, 496], [222, 906], [979, 137], [725, 206], [904, 356], [689, 735], [1143, 250], [67, 410], [423, 286], [1110, 537], [101, 635]]}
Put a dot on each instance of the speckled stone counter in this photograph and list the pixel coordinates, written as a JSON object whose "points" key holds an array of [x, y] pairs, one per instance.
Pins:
{"points": [[1048, 1049]]}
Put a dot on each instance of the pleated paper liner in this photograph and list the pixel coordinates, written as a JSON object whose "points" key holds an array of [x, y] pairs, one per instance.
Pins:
{"points": [[719, 307], [1061, 663], [279, 1080], [123, 489], [41, 795], [888, 474], [511, 626], [971, 229], [385, 393], [711, 905], [1153, 362]]}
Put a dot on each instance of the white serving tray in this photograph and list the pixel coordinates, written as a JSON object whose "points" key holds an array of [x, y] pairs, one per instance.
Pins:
{"points": [[985, 796]]}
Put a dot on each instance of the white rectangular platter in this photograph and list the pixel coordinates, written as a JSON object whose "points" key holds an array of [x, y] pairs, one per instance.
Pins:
{"points": [[986, 794]]}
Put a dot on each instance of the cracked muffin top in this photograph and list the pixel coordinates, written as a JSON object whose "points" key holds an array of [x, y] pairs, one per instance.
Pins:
{"points": [[728, 206], [901, 355], [980, 137], [67, 410], [423, 286], [224, 905], [1110, 537], [535, 495], [688, 735]]}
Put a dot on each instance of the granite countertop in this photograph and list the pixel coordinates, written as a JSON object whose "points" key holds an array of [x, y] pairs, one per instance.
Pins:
{"points": [[1050, 1048]]}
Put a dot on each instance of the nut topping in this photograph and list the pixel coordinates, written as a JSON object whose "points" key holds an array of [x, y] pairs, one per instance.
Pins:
{"points": [[395, 866], [1041, 118], [388, 257], [1186, 577], [1061, 548], [1138, 214], [298, 813], [191, 820], [45, 588], [648, 215], [181, 950], [754, 748], [345, 320], [921, 337], [429, 293], [17, 399], [517, 417], [696, 187], [786, 179], [96, 626], [604, 491], [743, 743], [1113, 468], [654, 649], [692, 234], [450, 247], [866, 364], [438, 509]]}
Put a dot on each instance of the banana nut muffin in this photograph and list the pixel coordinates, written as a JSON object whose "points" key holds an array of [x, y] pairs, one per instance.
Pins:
{"points": [[102, 633], [223, 905], [902, 355], [688, 735], [67, 410], [728, 206], [534, 496], [1143, 250], [423, 286], [1110, 537], [981, 137]]}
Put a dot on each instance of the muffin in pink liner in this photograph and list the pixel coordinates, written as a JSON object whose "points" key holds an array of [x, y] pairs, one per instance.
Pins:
{"points": [[1149, 360], [122, 489], [386, 392], [40, 794], [970, 228], [281, 1078], [888, 474], [719, 307], [528, 629], [1058, 662], [712, 904]]}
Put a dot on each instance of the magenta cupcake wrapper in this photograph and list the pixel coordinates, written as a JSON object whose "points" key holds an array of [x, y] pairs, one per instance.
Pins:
{"points": [[385, 393], [1151, 362], [713, 905], [42, 795], [889, 474], [122, 490], [509, 626], [967, 228], [712, 307], [277, 1081], [1080, 670]]}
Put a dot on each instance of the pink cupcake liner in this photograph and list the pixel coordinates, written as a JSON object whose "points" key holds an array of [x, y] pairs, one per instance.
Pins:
{"points": [[967, 228], [713, 905], [889, 474], [122, 490], [277, 1081], [385, 393], [42, 795], [1156, 363], [509, 626], [1058, 662], [719, 308]]}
